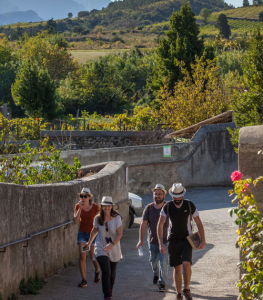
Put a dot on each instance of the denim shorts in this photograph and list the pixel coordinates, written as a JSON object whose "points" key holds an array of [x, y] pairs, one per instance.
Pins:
{"points": [[83, 237]]}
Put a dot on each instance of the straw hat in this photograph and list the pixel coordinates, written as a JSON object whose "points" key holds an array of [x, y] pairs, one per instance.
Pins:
{"points": [[106, 200], [87, 191], [159, 187], [177, 190]]}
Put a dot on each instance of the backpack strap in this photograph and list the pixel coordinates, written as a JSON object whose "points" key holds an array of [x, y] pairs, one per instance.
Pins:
{"points": [[167, 215], [148, 210]]}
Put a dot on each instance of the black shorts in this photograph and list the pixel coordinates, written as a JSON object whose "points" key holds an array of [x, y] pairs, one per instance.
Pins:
{"points": [[179, 251]]}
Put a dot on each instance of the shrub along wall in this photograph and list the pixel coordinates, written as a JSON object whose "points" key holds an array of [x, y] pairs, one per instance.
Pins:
{"points": [[28, 210]]}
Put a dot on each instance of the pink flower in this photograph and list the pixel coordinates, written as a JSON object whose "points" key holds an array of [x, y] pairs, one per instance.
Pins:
{"points": [[236, 175], [246, 186]]}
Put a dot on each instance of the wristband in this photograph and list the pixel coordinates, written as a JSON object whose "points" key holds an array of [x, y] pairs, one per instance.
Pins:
{"points": [[112, 242]]}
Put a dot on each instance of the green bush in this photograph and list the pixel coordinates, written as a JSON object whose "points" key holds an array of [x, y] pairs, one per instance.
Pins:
{"points": [[116, 39]]}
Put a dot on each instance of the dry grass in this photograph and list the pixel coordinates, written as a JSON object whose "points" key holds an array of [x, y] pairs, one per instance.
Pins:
{"points": [[83, 56]]}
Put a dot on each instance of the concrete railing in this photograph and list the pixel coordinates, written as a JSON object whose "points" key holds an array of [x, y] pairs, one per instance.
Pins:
{"points": [[36, 229]]}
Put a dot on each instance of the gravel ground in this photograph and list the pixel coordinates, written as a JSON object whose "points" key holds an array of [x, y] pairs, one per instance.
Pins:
{"points": [[214, 268]]}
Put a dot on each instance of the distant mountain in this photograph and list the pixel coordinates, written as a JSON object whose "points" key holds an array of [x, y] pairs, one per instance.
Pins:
{"points": [[19, 16], [6, 6], [48, 9], [94, 4]]}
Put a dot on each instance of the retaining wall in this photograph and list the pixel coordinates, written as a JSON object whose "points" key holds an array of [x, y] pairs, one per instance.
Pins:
{"points": [[29, 210], [92, 139], [208, 160]]}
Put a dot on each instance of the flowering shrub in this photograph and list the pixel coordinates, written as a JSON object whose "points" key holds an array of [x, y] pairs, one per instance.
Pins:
{"points": [[250, 236]]}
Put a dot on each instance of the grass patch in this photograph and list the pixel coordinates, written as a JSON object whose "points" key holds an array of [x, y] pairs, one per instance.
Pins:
{"points": [[32, 286], [83, 56]]}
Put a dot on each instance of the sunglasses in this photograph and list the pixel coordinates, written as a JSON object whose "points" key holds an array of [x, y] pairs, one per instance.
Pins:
{"points": [[108, 240], [83, 196], [106, 225]]}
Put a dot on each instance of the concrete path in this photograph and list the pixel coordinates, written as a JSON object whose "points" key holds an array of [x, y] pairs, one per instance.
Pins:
{"points": [[214, 268]]}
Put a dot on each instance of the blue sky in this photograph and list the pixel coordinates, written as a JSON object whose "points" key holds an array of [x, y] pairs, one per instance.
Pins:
{"points": [[236, 3]]}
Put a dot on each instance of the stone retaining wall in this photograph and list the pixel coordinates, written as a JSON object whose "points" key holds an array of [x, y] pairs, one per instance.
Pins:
{"points": [[104, 139]]}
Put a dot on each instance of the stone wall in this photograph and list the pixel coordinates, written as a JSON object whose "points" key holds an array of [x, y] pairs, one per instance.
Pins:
{"points": [[27, 211], [104, 139], [208, 160], [249, 162]]}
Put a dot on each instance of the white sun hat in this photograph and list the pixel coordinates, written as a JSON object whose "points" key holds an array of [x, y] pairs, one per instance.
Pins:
{"points": [[177, 190], [85, 190], [106, 200], [159, 187]]}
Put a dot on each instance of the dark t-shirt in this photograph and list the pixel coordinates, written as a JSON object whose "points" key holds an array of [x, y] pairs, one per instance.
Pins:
{"points": [[152, 215], [180, 223]]}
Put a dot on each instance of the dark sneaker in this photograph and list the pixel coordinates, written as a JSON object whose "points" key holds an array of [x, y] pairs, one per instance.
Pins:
{"points": [[155, 279], [83, 283], [97, 277], [187, 294], [108, 298], [179, 297], [161, 287]]}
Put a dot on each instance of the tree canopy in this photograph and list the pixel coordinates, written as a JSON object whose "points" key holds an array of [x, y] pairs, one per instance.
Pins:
{"points": [[34, 91]]}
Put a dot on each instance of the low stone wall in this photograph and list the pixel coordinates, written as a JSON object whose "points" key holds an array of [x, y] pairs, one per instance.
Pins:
{"points": [[208, 160], [103, 139], [27, 211], [249, 162]]}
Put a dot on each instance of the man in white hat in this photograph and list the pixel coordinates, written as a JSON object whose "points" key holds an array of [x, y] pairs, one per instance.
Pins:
{"points": [[151, 214], [179, 213]]}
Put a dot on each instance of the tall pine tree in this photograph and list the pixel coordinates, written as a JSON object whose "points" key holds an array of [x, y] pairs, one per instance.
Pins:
{"points": [[181, 44]]}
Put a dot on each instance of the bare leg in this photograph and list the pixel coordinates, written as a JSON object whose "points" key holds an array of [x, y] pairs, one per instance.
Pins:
{"points": [[187, 274], [95, 263], [178, 280], [82, 261]]}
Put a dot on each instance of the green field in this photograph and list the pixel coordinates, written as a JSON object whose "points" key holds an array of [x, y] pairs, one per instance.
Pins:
{"points": [[83, 56]]}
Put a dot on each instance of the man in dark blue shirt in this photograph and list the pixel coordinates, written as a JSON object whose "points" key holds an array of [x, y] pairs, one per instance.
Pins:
{"points": [[179, 212]]}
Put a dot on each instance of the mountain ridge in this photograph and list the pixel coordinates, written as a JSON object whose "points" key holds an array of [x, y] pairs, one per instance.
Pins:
{"points": [[19, 16]]}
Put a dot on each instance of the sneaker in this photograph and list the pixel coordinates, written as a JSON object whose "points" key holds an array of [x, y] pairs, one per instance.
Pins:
{"points": [[179, 297], [83, 283], [161, 287], [155, 279], [108, 298], [97, 277], [187, 294]]}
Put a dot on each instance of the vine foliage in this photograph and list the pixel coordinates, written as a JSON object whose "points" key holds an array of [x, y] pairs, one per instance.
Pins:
{"points": [[36, 166]]}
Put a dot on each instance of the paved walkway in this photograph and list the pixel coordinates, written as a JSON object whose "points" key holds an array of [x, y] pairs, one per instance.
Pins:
{"points": [[214, 268]]}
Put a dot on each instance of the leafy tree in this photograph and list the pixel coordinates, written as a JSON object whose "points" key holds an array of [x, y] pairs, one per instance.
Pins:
{"points": [[205, 13], [70, 15], [50, 53], [223, 26], [245, 3], [51, 26], [109, 85], [182, 43], [34, 91], [247, 104], [7, 78], [202, 94]]}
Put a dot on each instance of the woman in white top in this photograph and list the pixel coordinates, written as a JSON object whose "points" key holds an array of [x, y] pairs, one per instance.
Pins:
{"points": [[108, 232]]}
